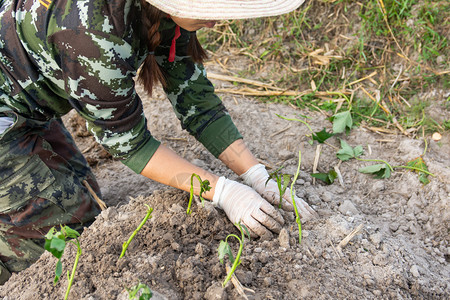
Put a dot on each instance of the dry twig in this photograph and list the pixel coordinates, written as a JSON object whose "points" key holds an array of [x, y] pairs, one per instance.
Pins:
{"points": [[347, 239], [316, 160], [97, 199]]}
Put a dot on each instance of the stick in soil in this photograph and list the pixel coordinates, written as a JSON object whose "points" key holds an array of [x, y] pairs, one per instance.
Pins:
{"points": [[347, 239], [316, 160], [97, 199]]}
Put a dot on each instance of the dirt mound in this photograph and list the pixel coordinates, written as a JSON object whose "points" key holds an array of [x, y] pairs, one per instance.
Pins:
{"points": [[401, 252]]}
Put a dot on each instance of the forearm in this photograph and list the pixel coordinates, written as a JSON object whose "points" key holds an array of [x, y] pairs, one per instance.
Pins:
{"points": [[238, 157], [168, 168]]}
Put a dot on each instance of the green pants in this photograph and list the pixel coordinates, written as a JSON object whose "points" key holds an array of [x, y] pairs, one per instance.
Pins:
{"points": [[41, 185]]}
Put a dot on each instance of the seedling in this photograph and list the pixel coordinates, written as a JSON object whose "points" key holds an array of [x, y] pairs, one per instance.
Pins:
{"points": [[55, 243], [297, 216], [127, 243], [328, 178], [347, 152], [145, 295], [342, 122], [282, 182], [225, 249], [419, 163], [319, 136], [384, 169], [204, 187]]}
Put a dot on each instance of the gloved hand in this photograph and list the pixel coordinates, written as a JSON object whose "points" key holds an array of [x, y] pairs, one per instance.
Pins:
{"points": [[257, 176], [242, 204]]}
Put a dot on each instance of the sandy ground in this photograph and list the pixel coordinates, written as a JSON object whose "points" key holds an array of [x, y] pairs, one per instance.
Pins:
{"points": [[401, 252]]}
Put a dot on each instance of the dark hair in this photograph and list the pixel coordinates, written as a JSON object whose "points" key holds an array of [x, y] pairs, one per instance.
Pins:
{"points": [[150, 72]]}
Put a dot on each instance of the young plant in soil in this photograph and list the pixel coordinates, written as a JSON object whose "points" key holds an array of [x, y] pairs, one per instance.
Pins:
{"points": [[297, 216], [127, 243], [204, 187], [55, 243], [282, 182], [384, 169], [225, 249], [145, 295]]}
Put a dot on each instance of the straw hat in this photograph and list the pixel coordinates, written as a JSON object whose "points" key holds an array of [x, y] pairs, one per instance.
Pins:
{"points": [[225, 9]]}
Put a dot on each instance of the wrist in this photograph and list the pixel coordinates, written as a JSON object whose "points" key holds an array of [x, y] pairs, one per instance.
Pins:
{"points": [[218, 189], [254, 174]]}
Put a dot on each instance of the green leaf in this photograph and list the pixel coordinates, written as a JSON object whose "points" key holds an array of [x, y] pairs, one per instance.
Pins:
{"points": [[347, 152], [225, 249], [69, 232], [419, 163], [58, 271], [328, 178], [58, 244], [145, 295], [55, 246], [50, 233], [321, 136], [242, 226], [380, 171], [342, 121]]}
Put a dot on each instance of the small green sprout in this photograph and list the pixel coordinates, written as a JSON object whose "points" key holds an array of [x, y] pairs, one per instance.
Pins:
{"points": [[384, 169], [328, 178], [225, 249], [347, 152], [282, 182], [342, 122], [419, 164], [297, 216], [204, 187], [55, 243], [127, 243], [145, 295]]}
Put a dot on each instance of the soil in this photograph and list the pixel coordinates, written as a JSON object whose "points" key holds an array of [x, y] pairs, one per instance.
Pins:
{"points": [[401, 252]]}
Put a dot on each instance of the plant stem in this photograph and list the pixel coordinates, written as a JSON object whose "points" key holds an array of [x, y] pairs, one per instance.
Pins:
{"points": [[204, 186], [297, 217], [377, 160], [75, 264], [125, 245], [238, 255], [304, 122], [416, 169], [191, 194]]}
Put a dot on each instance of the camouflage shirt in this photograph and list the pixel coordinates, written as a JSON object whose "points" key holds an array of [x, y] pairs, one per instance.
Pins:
{"points": [[61, 55]]}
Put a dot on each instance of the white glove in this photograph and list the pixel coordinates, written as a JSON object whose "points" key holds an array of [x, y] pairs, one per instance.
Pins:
{"points": [[257, 176], [242, 204]]}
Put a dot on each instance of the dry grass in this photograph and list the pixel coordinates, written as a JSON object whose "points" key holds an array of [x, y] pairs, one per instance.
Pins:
{"points": [[389, 59]]}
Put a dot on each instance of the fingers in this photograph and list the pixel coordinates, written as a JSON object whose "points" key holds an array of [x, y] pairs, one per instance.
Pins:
{"points": [[263, 221], [270, 223], [273, 213], [256, 229], [272, 194]]}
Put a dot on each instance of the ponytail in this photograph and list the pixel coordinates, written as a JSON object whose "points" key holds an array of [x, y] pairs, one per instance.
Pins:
{"points": [[150, 72]]}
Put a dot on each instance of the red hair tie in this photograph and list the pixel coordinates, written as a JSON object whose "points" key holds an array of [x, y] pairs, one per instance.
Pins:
{"points": [[173, 45]]}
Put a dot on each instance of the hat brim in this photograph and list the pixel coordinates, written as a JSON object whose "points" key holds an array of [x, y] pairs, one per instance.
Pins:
{"points": [[225, 9]]}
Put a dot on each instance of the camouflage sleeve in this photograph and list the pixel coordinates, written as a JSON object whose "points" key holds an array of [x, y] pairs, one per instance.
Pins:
{"points": [[198, 108], [98, 71]]}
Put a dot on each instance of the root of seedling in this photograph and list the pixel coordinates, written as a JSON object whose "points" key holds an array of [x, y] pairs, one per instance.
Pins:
{"points": [[238, 286]]}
